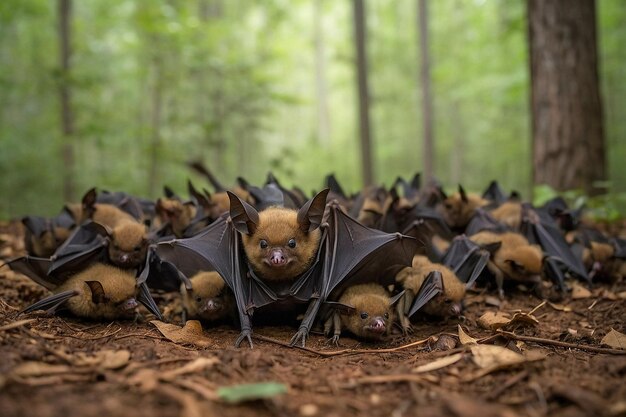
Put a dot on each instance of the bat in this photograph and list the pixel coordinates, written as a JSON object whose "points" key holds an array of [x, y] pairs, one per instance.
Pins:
{"points": [[337, 193], [42, 236], [466, 259], [512, 257], [368, 207], [175, 216], [508, 213], [458, 209], [208, 299], [542, 230], [494, 193], [366, 312], [600, 255], [99, 292], [108, 215], [281, 256], [484, 220], [438, 295]]}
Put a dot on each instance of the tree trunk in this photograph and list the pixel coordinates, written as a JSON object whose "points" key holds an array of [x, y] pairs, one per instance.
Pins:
{"points": [[361, 67], [427, 105], [67, 117], [568, 141], [321, 85], [155, 126]]}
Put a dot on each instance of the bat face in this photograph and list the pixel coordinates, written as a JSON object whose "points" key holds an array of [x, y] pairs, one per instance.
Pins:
{"points": [[128, 245], [458, 209], [46, 243], [373, 312], [209, 298], [279, 249], [104, 292]]}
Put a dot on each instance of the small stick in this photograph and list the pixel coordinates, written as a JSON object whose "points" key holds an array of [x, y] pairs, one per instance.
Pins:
{"points": [[339, 352], [551, 342], [508, 384], [16, 324]]}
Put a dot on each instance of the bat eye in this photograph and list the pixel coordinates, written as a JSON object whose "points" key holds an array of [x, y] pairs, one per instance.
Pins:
{"points": [[386, 315], [263, 244], [292, 243], [447, 301], [364, 315], [137, 248], [198, 299]]}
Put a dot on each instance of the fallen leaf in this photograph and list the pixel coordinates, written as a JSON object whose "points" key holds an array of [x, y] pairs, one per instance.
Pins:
{"points": [[560, 307], [466, 339], [114, 359], [622, 295], [493, 301], [190, 334], [524, 318], [579, 292], [439, 363], [614, 339], [609, 295], [492, 358], [250, 392], [445, 342], [493, 321], [197, 365]]}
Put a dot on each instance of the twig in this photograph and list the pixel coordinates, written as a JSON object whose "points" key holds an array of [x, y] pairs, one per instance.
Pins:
{"points": [[140, 335], [551, 342], [339, 352], [16, 324], [508, 384], [96, 337]]}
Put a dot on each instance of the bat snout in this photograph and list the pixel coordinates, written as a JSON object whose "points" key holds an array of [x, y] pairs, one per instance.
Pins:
{"points": [[377, 325], [211, 305], [277, 258], [456, 309], [130, 304]]}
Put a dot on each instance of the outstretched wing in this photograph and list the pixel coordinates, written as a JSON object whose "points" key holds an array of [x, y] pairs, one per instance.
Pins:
{"points": [[51, 303], [84, 246], [466, 258], [36, 269]]}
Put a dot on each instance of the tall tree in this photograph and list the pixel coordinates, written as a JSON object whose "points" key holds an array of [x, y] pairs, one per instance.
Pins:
{"points": [[321, 84], [427, 105], [568, 141], [363, 89], [67, 116]]}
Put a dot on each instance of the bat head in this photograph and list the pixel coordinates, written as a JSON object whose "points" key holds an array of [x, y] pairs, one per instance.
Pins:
{"points": [[280, 243], [372, 315], [105, 292], [177, 213], [520, 263], [209, 299], [128, 245], [458, 209]]}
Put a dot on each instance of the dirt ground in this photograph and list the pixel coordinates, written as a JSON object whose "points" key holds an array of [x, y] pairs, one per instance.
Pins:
{"points": [[63, 366]]}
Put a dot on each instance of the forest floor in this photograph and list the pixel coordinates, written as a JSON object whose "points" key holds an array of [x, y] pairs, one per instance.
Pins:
{"points": [[63, 366]]}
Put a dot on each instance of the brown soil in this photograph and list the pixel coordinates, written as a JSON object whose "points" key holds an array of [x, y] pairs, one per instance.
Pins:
{"points": [[363, 380]]}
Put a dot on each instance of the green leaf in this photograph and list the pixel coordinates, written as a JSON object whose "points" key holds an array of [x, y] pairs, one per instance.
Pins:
{"points": [[251, 392]]}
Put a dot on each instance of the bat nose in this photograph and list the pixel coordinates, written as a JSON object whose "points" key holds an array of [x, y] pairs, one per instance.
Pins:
{"points": [[124, 258], [277, 258], [130, 304], [378, 325], [212, 305], [456, 309]]}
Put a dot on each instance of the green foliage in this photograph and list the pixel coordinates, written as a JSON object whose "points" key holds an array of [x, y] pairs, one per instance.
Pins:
{"points": [[155, 84], [251, 392], [609, 207]]}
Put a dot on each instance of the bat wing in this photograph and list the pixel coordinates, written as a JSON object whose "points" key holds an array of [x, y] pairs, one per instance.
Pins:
{"points": [[161, 275], [466, 259], [354, 253], [544, 232], [431, 287], [51, 303], [36, 225], [85, 245], [36, 269], [482, 220], [145, 298]]}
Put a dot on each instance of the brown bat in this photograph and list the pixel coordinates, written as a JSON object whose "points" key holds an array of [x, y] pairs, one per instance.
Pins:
{"points": [[43, 236], [458, 209], [367, 313], [177, 214], [99, 292], [128, 245], [444, 304], [105, 214], [209, 298], [512, 257], [509, 213]]}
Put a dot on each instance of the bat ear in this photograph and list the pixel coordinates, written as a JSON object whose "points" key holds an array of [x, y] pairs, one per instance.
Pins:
{"points": [[97, 292], [492, 247], [89, 199], [463, 194], [311, 214], [245, 217]]}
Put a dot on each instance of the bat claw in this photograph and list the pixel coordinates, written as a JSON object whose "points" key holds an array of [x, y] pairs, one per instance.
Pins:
{"points": [[245, 334], [334, 340], [302, 334]]}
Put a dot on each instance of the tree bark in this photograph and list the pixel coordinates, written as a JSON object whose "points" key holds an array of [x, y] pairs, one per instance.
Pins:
{"points": [[67, 116], [568, 141], [427, 104], [363, 90], [155, 126]]}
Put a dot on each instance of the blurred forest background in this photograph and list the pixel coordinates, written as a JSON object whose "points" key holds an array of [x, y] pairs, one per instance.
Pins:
{"points": [[253, 86]]}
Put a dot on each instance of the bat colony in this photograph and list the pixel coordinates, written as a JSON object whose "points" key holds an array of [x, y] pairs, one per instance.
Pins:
{"points": [[359, 263]]}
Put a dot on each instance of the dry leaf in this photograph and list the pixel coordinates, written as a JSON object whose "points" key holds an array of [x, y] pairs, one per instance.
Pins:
{"points": [[491, 358], [614, 339], [439, 363], [622, 295], [578, 291], [523, 318], [191, 334], [560, 307], [195, 366], [493, 301], [493, 321], [466, 339], [114, 359], [609, 295]]}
